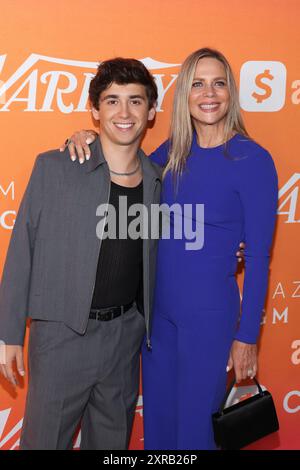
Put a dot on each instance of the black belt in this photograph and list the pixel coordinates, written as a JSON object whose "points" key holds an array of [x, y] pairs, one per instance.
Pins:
{"points": [[109, 313]]}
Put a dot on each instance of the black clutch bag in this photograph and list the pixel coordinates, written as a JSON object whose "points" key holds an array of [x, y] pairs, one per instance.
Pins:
{"points": [[246, 422]]}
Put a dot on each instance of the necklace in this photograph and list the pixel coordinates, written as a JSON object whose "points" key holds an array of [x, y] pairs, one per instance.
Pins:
{"points": [[126, 174]]}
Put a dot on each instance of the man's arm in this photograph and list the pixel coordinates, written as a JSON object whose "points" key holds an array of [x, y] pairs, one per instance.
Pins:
{"points": [[14, 288]]}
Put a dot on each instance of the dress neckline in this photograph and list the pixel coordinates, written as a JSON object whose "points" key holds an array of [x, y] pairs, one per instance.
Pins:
{"points": [[217, 147]]}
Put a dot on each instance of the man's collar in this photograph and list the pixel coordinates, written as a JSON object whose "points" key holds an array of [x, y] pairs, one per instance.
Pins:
{"points": [[97, 158], [149, 170]]}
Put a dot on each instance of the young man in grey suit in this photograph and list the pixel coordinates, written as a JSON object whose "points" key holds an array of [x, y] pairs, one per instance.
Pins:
{"points": [[89, 295]]}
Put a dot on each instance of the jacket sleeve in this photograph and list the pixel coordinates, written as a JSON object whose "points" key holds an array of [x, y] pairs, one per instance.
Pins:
{"points": [[258, 190], [14, 288]]}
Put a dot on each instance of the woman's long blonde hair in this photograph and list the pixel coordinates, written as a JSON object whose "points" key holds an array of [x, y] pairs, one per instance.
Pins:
{"points": [[181, 131]]}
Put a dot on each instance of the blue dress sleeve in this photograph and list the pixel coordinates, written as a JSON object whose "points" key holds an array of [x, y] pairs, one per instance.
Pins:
{"points": [[160, 155], [258, 190]]}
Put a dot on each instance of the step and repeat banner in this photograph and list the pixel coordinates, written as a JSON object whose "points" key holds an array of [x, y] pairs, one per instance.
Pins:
{"points": [[49, 52]]}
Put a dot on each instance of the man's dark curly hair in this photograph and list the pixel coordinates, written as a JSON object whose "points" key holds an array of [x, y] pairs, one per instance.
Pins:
{"points": [[123, 72]]}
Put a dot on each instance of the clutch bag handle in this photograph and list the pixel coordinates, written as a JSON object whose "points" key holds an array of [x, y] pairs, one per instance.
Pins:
{"points": [[232, 384]]}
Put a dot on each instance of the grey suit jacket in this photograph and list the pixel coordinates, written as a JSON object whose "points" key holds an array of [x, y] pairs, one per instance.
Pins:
{"points": [[51, 263]]}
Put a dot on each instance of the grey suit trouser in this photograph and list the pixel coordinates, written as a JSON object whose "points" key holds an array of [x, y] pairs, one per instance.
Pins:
{"points": [[91, 378]]}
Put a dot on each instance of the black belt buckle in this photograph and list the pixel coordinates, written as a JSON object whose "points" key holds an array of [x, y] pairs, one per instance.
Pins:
{"points": [[109, 313], [107, 316]]}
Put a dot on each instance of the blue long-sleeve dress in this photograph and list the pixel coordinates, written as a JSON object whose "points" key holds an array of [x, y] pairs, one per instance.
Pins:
{"points": [[197, 309]]}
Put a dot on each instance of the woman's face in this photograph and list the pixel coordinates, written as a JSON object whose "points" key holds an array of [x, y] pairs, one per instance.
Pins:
{"points": [[209, 97]]}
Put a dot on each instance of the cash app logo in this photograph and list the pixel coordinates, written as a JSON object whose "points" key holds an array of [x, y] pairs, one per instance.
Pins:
{"points": [[262, 86]]}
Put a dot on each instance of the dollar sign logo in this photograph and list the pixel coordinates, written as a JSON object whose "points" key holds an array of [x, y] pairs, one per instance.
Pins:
{"points": [[268, 90]]}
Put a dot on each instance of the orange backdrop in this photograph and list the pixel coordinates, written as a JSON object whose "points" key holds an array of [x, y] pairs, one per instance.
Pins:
{"points": [[48, 52]]}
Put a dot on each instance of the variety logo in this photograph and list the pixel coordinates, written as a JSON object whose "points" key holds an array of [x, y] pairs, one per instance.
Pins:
{"points": [[262, 86], [288, 197], [43, 83]]}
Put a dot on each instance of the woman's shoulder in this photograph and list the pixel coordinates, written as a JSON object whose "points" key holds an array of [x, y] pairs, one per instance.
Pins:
{"points": [[160, 155], [254, 165], [250, 153]]}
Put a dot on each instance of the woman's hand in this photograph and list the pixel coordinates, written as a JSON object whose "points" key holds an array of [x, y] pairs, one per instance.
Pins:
{"points": [[80, 141], [241, 253], [243, 358]]}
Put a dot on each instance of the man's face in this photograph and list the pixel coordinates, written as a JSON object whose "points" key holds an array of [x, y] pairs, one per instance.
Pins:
{"points": [[123, 113]]}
